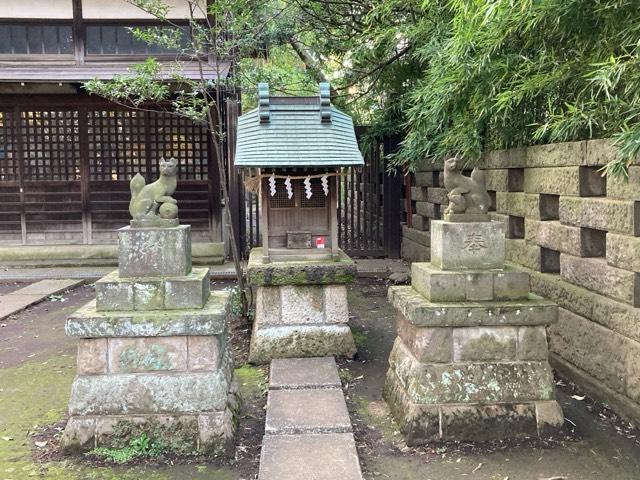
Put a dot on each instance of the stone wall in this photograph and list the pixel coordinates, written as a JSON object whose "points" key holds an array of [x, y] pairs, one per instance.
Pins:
{"points": [[578, 234]]}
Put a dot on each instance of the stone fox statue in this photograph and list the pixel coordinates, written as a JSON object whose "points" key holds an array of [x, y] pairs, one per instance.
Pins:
{"points": [[147, 201], [466, 194]]}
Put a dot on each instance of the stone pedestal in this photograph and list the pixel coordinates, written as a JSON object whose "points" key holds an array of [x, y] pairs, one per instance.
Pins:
{"points": [[301, 308], [471, 360], [153, 355]]}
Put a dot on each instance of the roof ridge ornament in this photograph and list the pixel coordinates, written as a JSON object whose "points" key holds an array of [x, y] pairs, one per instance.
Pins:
{"points": [[325, 102], [263, 103]]}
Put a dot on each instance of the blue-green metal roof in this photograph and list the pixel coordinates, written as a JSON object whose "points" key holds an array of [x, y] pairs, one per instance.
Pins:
{"points": [[292, 132]]}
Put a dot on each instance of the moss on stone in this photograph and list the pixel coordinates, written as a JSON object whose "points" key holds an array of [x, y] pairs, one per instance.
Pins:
{"points": [[252, 381], [299, 272]]}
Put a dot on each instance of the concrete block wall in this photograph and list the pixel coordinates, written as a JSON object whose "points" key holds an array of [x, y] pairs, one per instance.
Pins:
{"points": [[578, 234]]}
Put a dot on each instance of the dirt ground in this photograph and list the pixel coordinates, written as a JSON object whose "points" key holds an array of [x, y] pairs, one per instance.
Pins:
{"points": [[595, 445], [37, 366]]}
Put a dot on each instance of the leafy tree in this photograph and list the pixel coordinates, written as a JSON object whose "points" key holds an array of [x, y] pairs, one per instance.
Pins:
{"points": [[465, 76], [217, 36]]}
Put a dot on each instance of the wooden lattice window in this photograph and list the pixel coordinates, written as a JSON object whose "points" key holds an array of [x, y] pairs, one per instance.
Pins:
{"points": [[318, 198], [172, 136], [51, 145], [116, 144], [280, 199], [9, 169]]}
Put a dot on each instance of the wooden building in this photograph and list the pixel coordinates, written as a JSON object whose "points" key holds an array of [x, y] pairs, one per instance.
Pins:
{"points": [[66, 157], [299, 145]]}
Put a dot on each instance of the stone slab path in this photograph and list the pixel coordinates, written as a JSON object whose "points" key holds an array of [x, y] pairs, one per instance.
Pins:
{"points": [[308, 434], [22, 298]]}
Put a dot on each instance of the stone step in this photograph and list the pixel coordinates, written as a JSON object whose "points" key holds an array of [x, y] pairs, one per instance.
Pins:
{"points": [[22, 298], [308, 430], [307, 411], [295, 373], [328, 456]]}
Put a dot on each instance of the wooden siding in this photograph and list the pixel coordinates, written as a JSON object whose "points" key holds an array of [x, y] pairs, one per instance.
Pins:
{"points": [[64, 170]]}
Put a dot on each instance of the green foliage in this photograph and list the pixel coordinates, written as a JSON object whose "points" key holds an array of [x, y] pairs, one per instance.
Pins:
{"points": [[462, 77], [138, 447], [508, 73]]}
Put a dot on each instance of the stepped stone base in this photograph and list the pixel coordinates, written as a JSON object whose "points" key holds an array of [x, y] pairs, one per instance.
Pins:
{"points": [[153, 355], [471, 358], [301, 308], [212, 432]]}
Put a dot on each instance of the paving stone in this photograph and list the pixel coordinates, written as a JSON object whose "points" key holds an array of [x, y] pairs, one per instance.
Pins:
{"points": [[295, 373], [319, 457], [22, 298], [307, 411]]}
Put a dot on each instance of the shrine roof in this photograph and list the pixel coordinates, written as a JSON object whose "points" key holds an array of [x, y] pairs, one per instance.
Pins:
{"points": [[296, 132]]}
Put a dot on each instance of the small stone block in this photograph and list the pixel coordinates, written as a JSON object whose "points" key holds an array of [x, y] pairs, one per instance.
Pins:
{"points": [[191, 291], [510, 285], [204, 353], [532, 343], [132, 355], [329, 456], [549, 417], [79, 434], [296, 373], [299, 272], [479, 286], [307, 411], [92, 356], [148, 295], [427, 344], [154, 252], [467, 246], [155, 223], [113, 293], [484, 344], [290, 341]]}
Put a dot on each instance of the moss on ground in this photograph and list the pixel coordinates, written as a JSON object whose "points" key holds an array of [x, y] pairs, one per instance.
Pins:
{"points": [[360, 337], [252, 380], [376, 414], [35, 394]]}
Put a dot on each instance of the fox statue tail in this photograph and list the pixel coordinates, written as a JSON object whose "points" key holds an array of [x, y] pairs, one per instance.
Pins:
{"points": [[137, 184], [477, 176]]}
